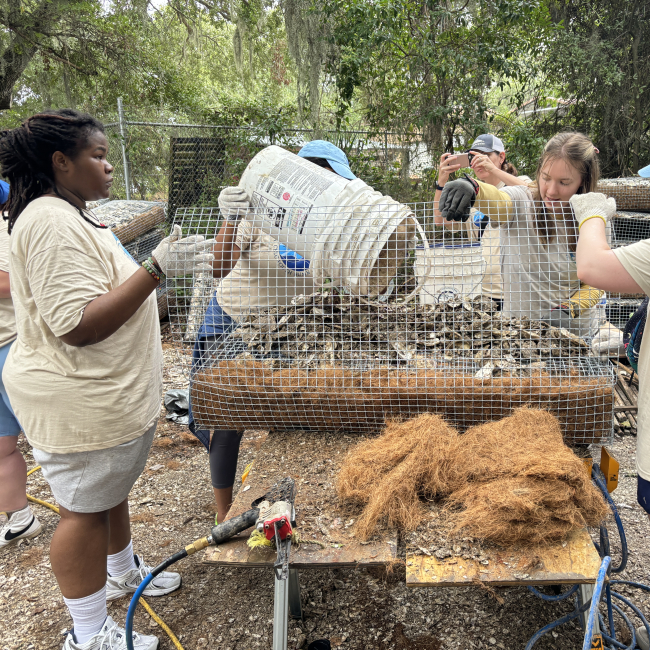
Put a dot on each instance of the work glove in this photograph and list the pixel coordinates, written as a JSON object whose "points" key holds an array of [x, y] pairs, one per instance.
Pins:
{"points": [[558, 317], [592, 205], [608, 342], [457, 198], [233, 203], [175, 256]]}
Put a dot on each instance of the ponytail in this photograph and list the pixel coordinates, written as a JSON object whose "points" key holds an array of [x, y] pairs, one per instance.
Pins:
{"points": [[509, 168], [26, 155]]}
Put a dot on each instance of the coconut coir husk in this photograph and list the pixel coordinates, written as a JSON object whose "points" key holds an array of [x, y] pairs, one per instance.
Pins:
{"points": [[510, 482], [388, 474]]}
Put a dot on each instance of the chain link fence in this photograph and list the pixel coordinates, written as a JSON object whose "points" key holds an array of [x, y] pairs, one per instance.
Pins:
{"points": [[187, 165]]}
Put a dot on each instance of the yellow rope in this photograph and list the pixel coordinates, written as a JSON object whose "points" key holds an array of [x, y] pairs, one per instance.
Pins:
{"points": [[142, 601]]}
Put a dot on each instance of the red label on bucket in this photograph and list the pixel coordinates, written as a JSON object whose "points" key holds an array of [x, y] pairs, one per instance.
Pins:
{"points": [[286, 196]]}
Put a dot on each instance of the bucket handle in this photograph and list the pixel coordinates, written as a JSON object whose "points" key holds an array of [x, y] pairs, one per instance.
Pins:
{"points": [[418, 286]]}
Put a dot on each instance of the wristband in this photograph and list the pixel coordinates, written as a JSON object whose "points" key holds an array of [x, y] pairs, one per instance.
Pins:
{"points": [[593, 216], [149, 266], [439, 187]]}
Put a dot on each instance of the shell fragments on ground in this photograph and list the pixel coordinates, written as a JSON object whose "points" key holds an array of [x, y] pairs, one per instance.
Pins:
{"points": [[513, 481]]}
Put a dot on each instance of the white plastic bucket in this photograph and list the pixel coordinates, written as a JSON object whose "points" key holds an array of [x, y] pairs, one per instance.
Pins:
{"points": [[444, 271], [351, 234]]}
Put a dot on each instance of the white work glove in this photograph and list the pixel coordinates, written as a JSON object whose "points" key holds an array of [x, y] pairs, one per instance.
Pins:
{"points": [[592, 205], [175, 256], [608, 342], [233, 203]]}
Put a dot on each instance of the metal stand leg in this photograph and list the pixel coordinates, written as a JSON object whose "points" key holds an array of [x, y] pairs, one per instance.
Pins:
{"points": [[280, 614], [295, 606], [586, 591]]}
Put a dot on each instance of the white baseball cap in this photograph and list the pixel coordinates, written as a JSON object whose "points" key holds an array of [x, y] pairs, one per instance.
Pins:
{"points": [[487, 143]]}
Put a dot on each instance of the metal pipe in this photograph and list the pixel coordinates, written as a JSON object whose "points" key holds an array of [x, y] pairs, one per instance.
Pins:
{"points": [[125, 162]]}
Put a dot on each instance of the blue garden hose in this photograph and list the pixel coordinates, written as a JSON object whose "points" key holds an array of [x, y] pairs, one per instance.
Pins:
{"points": [[141, 587], [554, 599], [595, 601]]}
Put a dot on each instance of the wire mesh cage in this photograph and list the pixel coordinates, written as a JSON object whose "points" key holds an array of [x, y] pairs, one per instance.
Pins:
{"points": [[130, 220], [338, 317], [632, 193]]}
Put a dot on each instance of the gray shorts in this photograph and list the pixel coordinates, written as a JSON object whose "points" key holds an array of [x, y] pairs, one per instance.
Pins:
{"points": [[94, 481]]}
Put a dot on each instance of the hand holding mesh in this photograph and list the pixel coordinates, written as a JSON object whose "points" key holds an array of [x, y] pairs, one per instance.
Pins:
{"points": [[177, 257], [592, 205], [233, 203], [457, 198]]}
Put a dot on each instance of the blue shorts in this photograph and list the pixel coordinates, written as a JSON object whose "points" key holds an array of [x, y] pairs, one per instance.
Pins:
{"points": [[643, 493], [8, 424]]}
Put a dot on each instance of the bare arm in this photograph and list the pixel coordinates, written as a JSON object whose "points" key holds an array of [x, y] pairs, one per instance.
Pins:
{"points": [[4, 285], [447, 167], [225, 251], [103, 316], [597, 264]]}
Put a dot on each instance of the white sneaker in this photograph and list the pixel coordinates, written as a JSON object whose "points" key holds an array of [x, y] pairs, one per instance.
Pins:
{"points": [[164, 583], [22, 524], [642, 638], [111, 637]]}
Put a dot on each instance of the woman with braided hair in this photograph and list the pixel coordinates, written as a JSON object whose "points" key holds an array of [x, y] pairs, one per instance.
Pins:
{"points": [[88, 343]]}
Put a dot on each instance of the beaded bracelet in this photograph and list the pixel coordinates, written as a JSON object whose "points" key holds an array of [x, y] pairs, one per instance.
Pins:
{"points": [[151, 269]]}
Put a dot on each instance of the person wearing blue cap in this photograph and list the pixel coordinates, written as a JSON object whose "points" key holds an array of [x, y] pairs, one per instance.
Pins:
{"points": [[256, 272], [325, 154], [17, 521], [645, 172]]}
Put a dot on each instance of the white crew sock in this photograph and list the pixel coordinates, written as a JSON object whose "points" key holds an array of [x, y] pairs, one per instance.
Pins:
{"points": [[121, 562], [88, 614]]}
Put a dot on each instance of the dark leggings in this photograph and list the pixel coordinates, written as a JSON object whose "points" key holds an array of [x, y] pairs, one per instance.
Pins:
{"points": [[224, 452]]}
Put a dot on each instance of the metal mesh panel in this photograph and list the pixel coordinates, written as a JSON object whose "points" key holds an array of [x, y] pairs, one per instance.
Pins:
{"points": [[339, 317], [142, 247]]}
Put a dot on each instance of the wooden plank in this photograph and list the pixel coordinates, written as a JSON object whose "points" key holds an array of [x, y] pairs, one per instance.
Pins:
{"points": [[313, 459], [574, 562]]}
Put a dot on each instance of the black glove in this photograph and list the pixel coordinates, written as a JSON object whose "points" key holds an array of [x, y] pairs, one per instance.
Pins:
{"points": [[457, 198]]}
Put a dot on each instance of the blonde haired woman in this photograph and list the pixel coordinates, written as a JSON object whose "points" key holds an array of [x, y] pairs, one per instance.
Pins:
{"points": [[539, 234]]}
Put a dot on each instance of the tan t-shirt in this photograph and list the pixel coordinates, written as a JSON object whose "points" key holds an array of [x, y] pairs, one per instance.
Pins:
{"points": [[538, 276], [636, 260], [73, 399], [7, 316], [262, 277]]}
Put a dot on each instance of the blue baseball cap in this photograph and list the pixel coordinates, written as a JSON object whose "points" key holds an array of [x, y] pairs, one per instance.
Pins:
{"points": [[335, 157], [4, 192], [645, 172]]}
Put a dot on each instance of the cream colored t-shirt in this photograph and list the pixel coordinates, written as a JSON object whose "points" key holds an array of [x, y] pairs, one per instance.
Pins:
{"points": [[7, 316], [538, 276], [635, 258], [73, 399], [262, 277]]}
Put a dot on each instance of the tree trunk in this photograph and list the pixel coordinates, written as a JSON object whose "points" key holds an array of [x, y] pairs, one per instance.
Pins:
{"points": [[13, 62]]}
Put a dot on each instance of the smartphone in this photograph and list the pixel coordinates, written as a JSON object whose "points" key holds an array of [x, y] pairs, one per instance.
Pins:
{"points": [[462, 159]]}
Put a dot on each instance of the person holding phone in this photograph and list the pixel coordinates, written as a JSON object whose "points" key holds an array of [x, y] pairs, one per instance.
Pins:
{"points": [[487, 157], [539, 234]]}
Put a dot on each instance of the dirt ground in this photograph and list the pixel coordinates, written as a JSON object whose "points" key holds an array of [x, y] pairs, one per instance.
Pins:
{"points": [[232, 609]]}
